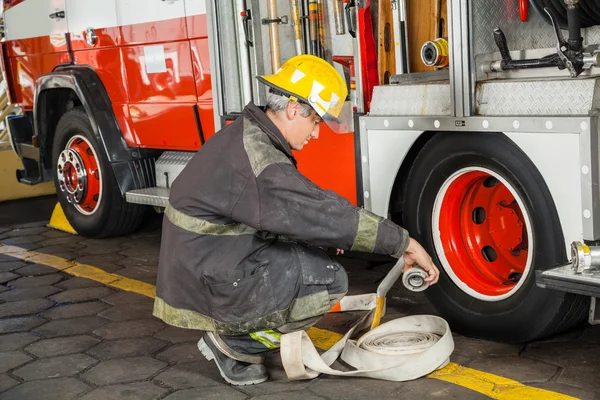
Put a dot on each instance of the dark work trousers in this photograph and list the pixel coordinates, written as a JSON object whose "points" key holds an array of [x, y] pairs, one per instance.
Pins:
{"points": [[319, 282]]}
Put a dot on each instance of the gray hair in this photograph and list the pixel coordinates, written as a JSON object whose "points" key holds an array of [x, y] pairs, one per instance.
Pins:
{"points": [[277, 102]]}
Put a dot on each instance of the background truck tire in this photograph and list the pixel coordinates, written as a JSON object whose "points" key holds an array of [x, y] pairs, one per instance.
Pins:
{"points": [[85, 183], [476, 176]]}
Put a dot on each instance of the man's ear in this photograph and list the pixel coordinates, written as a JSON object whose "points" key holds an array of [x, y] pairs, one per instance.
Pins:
{"points": [[292, 110]]}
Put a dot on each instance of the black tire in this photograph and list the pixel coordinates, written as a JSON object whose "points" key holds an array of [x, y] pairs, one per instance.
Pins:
{"points": [[530, 312], [113, 216]]}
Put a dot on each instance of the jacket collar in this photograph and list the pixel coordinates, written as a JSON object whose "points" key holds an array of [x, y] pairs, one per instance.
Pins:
{"points": [[274, 134]]}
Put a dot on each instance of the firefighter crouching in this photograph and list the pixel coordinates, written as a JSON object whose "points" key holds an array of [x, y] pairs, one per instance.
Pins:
{"points": [[241, 253]]}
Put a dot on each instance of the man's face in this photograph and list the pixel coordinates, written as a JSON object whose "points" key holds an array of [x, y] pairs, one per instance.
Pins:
{"points": [[302, 129]]}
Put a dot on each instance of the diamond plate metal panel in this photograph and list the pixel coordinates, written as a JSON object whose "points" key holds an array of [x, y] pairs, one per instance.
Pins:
{"points": [[533, 34], [169, 166], [157, 197], [423, 99], [557, 97]]}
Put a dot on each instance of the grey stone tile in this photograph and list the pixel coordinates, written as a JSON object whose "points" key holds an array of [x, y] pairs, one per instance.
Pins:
{"points": [[584, 376], [143, 264], [13, 265], [15, 341], [130, 391], [60, 249], [35, 270], [21, 240], [143, 251], [178, 353], [34, 224], [425, 388], [28, 246], [190, 375], [3, 288], [28, 293], [178, 335], [592, 334], [473, 348], [129, 329], [460, 360], [19, 324], [115, 244], [278, 381], [97, 250], [26, 231], [127, 298], [55, 234], [24, 307], [290, 396], [75, 310], [214, 393], [123, 370], [124, 348], [61, 346], [70, 240], [556, 387], [520, 369], [6, 382], [78, 283], [71, 326], [7, 277], [12, 359], [37, 281], [79, 295], [51, 389], [142, 274], [55, 367], [127, 312], [105, 262], [564, 354]]}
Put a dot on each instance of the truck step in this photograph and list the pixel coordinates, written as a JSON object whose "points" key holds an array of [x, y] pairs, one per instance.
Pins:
{"points": [[154, 196], [565, 279]]}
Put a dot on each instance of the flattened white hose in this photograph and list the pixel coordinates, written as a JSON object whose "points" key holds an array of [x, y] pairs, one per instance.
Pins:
{"points": [[399, 350]]}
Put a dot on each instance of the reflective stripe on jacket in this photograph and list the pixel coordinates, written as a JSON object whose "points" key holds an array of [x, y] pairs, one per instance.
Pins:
{"points": [[235, 230]]}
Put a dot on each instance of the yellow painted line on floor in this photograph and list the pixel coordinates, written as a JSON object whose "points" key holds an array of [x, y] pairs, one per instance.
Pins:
{"points": [[80, 270], [491, 385]]}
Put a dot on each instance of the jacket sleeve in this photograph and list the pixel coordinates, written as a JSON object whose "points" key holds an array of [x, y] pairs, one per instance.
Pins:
{"points": [[289, 204]]}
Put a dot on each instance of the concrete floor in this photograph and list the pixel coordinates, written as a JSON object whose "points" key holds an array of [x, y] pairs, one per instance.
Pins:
{"points": [[65, 337]]}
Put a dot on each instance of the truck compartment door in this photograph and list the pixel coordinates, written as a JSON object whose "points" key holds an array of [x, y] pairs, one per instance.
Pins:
{"points": [[35, 42], [158, 67]]}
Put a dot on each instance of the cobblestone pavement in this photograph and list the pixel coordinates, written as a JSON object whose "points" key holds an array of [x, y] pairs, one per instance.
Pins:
{"points": [[64, 337]]}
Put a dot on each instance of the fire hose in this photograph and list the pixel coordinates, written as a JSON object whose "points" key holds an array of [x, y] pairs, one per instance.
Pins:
{"points": [[399, 350]]}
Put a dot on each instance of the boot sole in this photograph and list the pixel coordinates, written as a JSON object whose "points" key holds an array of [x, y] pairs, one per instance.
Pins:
{"points": [[209, 355]]}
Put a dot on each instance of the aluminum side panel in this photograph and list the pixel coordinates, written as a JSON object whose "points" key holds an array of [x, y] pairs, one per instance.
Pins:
{"points": [[386, 152], [557, 158]]}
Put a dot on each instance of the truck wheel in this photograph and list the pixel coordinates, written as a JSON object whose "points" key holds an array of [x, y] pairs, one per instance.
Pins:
{"points": [[480, 207], [85, 184]]}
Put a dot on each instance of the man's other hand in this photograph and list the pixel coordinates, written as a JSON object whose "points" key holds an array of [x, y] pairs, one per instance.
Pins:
{"points": [[416, 254], [338, 252]]}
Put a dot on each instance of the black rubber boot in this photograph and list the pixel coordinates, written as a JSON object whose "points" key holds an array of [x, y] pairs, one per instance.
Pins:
{"points": [[233, 371]]}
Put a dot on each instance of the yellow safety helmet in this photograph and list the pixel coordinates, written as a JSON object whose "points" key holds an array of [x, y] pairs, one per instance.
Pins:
{"points": [[312, 80]]}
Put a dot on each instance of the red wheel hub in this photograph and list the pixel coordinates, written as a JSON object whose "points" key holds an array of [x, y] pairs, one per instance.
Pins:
{"points": [[483, 233], [79, 175]]}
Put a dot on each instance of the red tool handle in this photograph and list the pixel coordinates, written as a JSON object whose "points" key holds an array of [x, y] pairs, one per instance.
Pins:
{"points": [[524, 10]]}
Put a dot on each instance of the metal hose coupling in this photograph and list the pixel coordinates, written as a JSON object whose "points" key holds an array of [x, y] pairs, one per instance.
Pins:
{"points": [[414, 279]]}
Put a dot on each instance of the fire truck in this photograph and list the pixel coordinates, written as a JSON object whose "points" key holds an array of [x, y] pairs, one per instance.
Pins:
{"points": [[489, 156]]}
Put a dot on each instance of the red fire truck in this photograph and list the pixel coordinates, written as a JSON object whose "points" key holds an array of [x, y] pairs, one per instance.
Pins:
{"points": [[490, 160]]}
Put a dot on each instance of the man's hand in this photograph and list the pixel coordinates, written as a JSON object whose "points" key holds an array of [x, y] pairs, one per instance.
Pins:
{"points": [[338, 252], [416, 254]]}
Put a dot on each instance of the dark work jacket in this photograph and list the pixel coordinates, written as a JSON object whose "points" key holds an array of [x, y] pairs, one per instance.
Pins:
{"points": [[240, 224]]}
